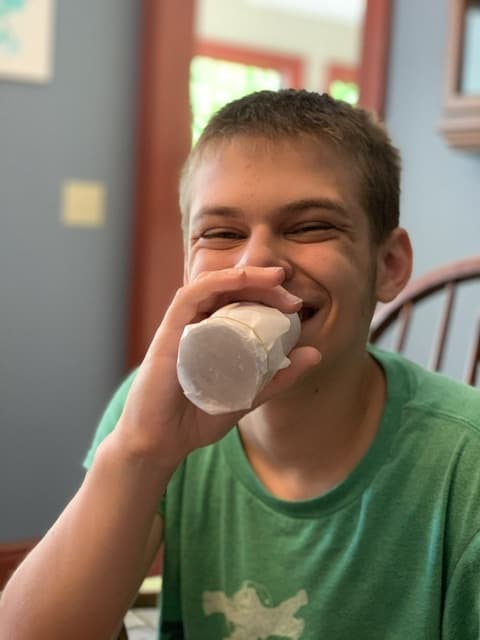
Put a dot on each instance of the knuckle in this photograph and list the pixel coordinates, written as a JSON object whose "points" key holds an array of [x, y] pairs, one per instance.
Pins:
{"points": [[240, 274], [202, 275], [180, 295]]}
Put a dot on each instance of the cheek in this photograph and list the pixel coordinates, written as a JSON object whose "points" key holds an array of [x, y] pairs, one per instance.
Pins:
{"points": [[351, 281]]}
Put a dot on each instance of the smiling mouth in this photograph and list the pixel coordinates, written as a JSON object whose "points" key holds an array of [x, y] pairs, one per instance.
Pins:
{"points": [[306, 313]]}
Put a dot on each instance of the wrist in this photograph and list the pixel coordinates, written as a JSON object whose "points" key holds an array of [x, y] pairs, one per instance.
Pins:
{"points": [[136, 450]]}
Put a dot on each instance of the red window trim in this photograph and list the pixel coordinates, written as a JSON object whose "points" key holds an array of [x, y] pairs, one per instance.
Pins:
{"points": [[290, 67], [342, 72]]}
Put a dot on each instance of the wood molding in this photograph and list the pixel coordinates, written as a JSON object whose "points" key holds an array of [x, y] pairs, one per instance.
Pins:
{"points": [[453, 63], [460, 124], [342, 72], [163, 142], [11, 555], [374, 55], [462, 131], [291, 67]]}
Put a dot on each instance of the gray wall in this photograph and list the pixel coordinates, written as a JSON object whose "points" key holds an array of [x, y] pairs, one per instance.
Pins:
{"points": [[441, 186], [62, 290]]}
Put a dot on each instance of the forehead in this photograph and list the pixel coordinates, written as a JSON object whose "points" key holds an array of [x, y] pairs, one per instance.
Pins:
{"points": [[248, 172]]}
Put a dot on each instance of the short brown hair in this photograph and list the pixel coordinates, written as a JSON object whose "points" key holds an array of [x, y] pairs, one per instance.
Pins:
{"points": [[291, 113]]}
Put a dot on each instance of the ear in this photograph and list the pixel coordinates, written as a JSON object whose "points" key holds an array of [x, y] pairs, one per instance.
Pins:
{"points": [[185, 267], [394, 265]]}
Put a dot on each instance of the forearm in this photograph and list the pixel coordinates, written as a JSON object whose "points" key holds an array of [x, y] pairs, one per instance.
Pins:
{"points": [[79, 580]]}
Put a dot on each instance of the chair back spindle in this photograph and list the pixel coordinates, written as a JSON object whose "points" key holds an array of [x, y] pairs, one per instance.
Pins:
{"points": [[447, 280]]}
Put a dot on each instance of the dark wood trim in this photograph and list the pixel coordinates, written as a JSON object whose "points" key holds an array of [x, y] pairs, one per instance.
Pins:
{"points": [[291, 67], [375, 55], [11, 555], [473, 360], [163, 142], [453, 63]]}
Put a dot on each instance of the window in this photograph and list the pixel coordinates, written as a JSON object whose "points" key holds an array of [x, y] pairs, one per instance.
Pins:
{"points": [[342, 83], [461, 113], [219, 74]]}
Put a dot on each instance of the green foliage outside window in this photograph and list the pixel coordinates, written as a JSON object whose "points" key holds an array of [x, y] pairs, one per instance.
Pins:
{"points": [[346, 91], [214, 82]]}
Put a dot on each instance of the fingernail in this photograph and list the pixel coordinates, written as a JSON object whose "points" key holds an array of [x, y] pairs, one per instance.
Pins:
{"points": [[294, 299]]}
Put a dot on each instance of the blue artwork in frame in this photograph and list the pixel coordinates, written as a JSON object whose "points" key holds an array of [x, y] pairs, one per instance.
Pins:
{"points": [[26, 34]]}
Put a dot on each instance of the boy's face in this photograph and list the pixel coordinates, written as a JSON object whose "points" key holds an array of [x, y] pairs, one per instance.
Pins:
{"points": [[294, 205]]}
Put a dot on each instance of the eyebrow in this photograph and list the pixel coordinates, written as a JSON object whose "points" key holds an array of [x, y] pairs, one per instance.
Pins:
{"points": [[221, 211], [296, 206]]}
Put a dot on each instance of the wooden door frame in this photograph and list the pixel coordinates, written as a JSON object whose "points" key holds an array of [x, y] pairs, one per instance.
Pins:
{"points": [[374, 56], [163, 142]]}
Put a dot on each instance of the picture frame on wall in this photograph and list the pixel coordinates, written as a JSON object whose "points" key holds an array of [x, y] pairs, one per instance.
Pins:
{"points": [[460, 124], [26, 40]]}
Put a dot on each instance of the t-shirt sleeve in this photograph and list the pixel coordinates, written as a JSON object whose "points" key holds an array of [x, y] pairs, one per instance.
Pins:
{"points": [[461, 617], [110, 418]]}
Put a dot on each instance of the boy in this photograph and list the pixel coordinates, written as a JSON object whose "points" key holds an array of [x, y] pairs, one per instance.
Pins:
{"points": [[344, 505]]}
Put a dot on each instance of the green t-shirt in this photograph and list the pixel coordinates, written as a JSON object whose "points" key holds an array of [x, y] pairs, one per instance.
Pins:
{"points": [[393, 552]]}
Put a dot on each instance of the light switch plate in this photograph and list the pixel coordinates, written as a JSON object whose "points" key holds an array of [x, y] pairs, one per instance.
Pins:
{"points": [[83, 203]]}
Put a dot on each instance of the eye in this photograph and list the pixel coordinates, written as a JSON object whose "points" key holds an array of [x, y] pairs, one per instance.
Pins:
{"points": [[218, 237], [221, 234], [306, 228]]}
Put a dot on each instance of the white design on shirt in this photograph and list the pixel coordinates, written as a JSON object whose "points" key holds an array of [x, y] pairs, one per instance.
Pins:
{"points": [[251, 619]]}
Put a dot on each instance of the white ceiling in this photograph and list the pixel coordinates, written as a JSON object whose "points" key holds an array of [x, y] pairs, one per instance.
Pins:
{"points": [[350, 11]]}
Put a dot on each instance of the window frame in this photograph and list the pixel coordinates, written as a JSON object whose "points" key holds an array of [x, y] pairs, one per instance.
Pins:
{"points": [[460, 124], [342, 72], [290, 67]]}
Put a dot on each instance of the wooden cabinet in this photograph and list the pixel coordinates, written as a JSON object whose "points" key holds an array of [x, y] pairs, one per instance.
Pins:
{"points": [[461, 114]]}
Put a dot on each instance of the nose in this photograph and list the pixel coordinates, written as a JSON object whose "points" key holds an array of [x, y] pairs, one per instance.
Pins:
{"points": [[264, 249]]}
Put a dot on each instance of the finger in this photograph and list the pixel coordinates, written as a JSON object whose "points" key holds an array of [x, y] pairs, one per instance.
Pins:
{"points": [[202, 295], [246, 271], [277, 297]]}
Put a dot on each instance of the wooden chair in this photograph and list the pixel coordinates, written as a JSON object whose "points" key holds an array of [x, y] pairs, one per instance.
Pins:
{"points": [[11, 555], [149, 593], [447, 281]]}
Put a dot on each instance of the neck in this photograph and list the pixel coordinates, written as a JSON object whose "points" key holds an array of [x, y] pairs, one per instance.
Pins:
{"points": [[306, 442]]}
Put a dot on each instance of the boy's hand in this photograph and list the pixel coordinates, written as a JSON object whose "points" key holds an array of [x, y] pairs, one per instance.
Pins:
{"points": [[158, 421]]}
